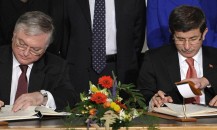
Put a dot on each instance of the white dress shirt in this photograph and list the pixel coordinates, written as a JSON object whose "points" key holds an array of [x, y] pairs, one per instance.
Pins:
{"points": [[15, 76], [198, 65], [111, 47]]}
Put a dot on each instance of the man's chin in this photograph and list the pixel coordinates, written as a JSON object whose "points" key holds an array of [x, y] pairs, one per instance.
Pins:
{"points": [[188, 55], [23, 62]]}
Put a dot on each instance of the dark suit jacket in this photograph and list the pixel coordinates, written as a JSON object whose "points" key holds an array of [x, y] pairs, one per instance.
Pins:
{"points": [[49, 73], [130, 23], [160, 70]]}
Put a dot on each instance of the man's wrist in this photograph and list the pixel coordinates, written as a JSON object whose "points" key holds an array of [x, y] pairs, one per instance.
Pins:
{"points": [[205, 82]]}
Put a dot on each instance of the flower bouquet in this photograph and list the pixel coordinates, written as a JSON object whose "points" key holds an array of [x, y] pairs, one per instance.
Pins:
{"points": [[103, 105]]}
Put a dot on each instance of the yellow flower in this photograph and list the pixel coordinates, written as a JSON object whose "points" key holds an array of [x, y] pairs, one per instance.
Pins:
{"points": [[112, 104], [117, 108], [93, 88]]}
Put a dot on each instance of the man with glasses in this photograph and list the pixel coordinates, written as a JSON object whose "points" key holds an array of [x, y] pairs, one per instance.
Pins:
{"points": [[29, 74], [164, 66]]}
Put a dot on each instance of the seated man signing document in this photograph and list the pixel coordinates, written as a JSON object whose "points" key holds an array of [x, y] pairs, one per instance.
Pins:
{"points": [[186, 59], [29, 74]]}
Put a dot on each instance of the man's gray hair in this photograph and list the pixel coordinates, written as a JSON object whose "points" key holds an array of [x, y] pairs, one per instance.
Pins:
{"points": [[34, 23]]}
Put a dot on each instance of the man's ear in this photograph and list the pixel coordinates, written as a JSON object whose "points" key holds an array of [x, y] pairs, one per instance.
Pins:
{"points": [[204, 33]]}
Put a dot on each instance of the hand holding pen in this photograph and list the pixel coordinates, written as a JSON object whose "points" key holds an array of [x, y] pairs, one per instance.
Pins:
{"points": [[160, 98]]}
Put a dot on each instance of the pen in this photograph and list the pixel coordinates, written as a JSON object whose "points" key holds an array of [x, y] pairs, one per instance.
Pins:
{"points": [[165, 95], [163, 105]]}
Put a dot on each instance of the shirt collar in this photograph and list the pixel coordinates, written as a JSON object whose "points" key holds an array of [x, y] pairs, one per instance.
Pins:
{"points": [[16, 63], [197, 57]]}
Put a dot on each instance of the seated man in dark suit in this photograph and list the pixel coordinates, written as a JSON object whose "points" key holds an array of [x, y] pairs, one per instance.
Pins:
{"points": [[164, 66], [29, 74]]}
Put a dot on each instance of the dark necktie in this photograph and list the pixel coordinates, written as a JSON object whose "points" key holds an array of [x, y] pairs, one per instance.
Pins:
{"points": [[98, 37], [191, 73], [22, 82]]}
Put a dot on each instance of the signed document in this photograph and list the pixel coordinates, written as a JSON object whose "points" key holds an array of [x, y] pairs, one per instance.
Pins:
{"points": [[32, 112], [192, 110]]}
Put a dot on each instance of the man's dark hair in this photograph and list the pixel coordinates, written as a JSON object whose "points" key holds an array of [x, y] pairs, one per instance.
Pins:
{"points": [[185, 18]]}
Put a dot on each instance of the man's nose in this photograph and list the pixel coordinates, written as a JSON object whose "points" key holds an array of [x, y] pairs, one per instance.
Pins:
{"points": [[27, 51], [187, 44]]}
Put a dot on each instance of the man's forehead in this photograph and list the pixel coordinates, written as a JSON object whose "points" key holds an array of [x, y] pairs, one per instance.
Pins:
{"points": [[191, 33]]}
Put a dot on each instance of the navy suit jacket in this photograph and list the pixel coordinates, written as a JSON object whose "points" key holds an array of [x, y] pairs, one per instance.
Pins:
{"points": [[48, 73], [160, 71]]}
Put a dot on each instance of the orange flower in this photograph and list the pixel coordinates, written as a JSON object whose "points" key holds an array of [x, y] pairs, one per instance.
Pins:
{"points": [[106, 81], [106, 104], [92, 111], [98, 97]]}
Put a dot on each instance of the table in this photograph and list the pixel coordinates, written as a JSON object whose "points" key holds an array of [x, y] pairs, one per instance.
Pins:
{"points": [[163, 124]]}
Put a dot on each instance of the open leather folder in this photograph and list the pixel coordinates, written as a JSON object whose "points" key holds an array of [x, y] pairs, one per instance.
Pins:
{"points": [[187, 89], [192, 110]]}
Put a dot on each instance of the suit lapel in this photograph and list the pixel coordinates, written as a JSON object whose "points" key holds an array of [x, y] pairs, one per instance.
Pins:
{"points": [[85, 7], [172, 64], [117, 12], [37, 76], [207, 64]]}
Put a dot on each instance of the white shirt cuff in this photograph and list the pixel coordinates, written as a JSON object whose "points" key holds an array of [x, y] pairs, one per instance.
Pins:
{"points": [[50, 101], [209, 86]]}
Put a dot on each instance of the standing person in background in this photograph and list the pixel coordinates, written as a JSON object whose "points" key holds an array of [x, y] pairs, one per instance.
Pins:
{"points": [[157, 22], [29, 74], [123, 30], [10, 11]]}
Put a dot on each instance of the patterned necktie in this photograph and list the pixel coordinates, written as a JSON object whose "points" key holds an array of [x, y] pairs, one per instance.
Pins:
{"points": [[22, 82], [98, 37], [191, 73]]}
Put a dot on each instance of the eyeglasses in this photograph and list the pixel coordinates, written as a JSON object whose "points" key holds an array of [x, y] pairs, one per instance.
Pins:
{"points": [[192, 41], [33, 50]]}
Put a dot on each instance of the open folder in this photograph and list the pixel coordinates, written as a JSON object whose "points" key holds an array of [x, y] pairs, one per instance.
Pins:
{"points": [[32, 112], [187, 89], [192, 110]]}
